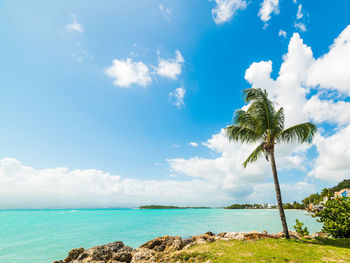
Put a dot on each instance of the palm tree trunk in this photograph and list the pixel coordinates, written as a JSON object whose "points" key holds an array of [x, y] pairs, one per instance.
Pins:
{"points": [[278, 194]]}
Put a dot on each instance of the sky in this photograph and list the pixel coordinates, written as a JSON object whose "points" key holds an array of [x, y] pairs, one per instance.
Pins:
{"points": [[122, 103]]}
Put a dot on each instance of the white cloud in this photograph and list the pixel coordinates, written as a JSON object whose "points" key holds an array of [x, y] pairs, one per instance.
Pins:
{"points": [[127, 72], [226, 9], [300, 26], [193, 144], [328, 110], [300, 70], [287, 90], [282, 33], [332, 164], [170, 68], [226, 171], [331, 71], [25, 187], [267, 8], [75, 26], [292, 191], [176, 97], [299, 13]]}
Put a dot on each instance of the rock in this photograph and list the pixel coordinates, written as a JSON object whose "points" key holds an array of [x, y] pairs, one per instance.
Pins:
{"points": [[319, 235], [165, 244], [255, 236], [234, 236], [222, 234], [123, 254], [143, 255], [200, 239], [209, 233], [74, 254], [114, 252]]}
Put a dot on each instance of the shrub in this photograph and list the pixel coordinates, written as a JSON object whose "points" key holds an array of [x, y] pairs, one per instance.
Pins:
{"points": [[336, 217], [302, 231]]}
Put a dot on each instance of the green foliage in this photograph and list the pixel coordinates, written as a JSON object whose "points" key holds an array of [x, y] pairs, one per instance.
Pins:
{"points": [[300, 229], [326, 192], [312, 199], [336, 217], [294, 205], [249, 206], [261, 122], [341, 185], [170, 207]]}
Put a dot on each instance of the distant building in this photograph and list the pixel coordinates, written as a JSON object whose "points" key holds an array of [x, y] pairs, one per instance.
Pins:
{"points": [[342, 193]]}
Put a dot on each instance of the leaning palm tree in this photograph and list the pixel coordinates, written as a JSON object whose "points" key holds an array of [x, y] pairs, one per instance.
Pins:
{"points": [[262, 123]]}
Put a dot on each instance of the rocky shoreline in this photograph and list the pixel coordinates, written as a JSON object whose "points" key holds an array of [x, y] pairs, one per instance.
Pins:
{"points": [[156, 250]]}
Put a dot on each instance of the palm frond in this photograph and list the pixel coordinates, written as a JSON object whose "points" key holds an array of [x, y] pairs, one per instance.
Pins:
{"points": [[278, 123], [254, 155], [244, 118], [303, 132], [253, 94], [241, 133], [263, 110]]}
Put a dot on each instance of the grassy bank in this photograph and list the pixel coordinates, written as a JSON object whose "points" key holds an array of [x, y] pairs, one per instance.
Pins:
{"points": [[266, 250]]}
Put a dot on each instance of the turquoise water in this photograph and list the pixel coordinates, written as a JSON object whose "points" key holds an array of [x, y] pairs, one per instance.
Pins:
{"points": [[35, 236]]}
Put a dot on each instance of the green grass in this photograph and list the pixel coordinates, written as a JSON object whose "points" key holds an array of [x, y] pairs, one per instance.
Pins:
{"points": [[266, 250]]}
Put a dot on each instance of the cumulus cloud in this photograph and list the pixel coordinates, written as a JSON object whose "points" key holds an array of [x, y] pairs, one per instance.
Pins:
{"points": [[291, 90], [177, 96], [299, 73], [127, 72], [226, 9], [267, 8], [226, 170], [75, 26], [282, 33], [332, 164], [331, 71], [170, 68], [26, 187], [328, 110], [193, 144]]}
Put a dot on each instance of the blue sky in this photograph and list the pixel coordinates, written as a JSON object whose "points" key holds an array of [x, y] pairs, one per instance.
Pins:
{"points": [[119, 89]]}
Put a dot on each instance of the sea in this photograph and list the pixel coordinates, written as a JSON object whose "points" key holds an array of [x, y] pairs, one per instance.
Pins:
{"points": [[41, 236]]}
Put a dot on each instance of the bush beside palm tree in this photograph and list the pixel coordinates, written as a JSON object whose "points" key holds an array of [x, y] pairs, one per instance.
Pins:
{"points": [[262, 123]]}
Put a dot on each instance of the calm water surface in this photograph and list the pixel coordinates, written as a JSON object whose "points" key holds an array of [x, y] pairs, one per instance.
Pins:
{"points": [[35, 236]]}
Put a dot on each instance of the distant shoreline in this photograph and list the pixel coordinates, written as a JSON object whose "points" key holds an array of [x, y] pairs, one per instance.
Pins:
{"points": [[234, 207], [173, 207]]}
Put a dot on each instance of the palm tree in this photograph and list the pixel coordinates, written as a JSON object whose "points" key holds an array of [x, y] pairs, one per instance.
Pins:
{"points": [[262, 123]]}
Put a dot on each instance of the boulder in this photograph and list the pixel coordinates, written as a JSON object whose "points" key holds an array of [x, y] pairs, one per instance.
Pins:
{"points": [[74, 254], [143, 255], [165, 244], [114, 252], [201, 239], [233, 236]]}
